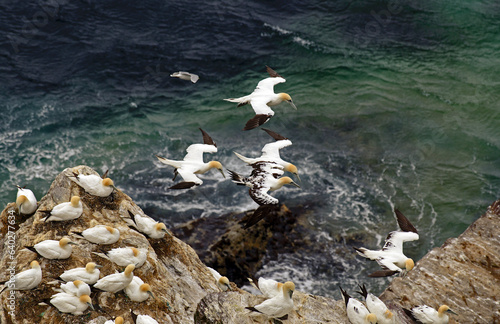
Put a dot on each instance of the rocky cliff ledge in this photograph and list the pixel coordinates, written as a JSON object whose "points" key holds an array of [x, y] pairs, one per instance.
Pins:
{"points": [[464, 273]]}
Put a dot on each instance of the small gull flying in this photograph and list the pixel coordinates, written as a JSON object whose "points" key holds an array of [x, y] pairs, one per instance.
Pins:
{"points": [[185, 76]]}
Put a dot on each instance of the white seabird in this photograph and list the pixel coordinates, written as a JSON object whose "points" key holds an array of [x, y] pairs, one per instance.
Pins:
{"points": [[193, 164], [64, 211], [428, 315], [222, 281], [137, 290], [125, 256], [391, 257], [262, 98], [117, 281], [89, 274], [118, 320], [76, 287], [25, 280], [146, 225], [101, 234], [260, 182], [279, 306], [377, 307], [143, 319], [268, 287], [68, 303], [95, 185], [271, 153], [186, 76], [356, 311], [26, 201], [52, 249]]}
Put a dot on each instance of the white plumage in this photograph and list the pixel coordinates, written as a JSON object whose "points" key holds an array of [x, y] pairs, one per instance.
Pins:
{"points": [[137, 290], [117, 281], [262, 98], [278, 306], [125, 256], [101, 234], [118, 320], [76, 288], [95, 185], [221, 281], [67, 303], [146, 225], [25, 201], [377, 307], [27, 279], [356, 311], [52, 249], [145, 319], [270, 287], [186, 76], [391, 257], [89, 274], [428, 315], [65, 211]]}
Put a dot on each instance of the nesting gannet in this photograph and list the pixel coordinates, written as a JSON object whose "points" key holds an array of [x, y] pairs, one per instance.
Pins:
{"points": [[427, 315], [143, 319], [52, 249], [68, 303], [271, 153], [25, 201], [95, 185], [146, 225], [268, 287], [186, 76], [280, 305], [117, 281], [118, 320], [137, 290], [125, 256], [89, 274], [262, 98], [391, 257], [260, 182], [222, 281], [377, 307], [25, 280], [64, 211], [356, 311], [100, 234], [193, 164], [76, 287]]}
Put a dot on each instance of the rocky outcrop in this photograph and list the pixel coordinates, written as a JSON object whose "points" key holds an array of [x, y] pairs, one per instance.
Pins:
{"points": [[463, 273], [179, 280]]}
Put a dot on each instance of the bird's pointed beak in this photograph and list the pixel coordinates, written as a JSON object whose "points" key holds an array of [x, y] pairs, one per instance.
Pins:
{"points": [[295, 184], [297, 175], [150, 294], [450, 311], [292, 104], [98, 266], [222, 172], [91, 306]]}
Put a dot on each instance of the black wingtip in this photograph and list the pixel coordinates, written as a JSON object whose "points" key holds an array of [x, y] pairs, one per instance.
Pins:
{"points": [[274, 135], [345, 295], [258, 215], [32, 249], [183, 185], [207, 139], [382, 273], [253, 309], [410, 314], [404, 223], [363, 291], [256, 121], [272, 73], [105, 174]]}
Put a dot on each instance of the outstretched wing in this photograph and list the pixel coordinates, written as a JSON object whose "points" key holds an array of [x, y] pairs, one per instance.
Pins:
{"points": [[272, 150], [195, 152], [266, 86], [272, 73], [274, 135], [404, 223], [394, 241], [207, 139]]}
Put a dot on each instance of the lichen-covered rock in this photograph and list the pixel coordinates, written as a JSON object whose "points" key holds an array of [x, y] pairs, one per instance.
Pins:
{"points": [[179, 280], [464, 274]]}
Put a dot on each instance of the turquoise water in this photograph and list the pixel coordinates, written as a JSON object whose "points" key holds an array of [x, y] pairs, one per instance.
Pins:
{"points": [[397, 106]]}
